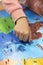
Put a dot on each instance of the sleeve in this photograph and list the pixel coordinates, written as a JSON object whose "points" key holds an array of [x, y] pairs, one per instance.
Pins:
{"points": [[13, 8]]}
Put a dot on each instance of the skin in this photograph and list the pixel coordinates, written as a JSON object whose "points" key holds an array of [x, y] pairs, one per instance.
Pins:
{"points": [[22, 30]]}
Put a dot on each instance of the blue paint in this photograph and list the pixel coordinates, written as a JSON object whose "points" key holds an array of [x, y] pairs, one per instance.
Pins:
{"points": [[3, 13], [21, 48], [17, 49]]}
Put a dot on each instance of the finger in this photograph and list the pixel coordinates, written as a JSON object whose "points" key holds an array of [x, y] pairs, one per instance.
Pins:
{"points": [[30, 36], [21, 36], [25, 37], [17, 34], [14, 31]]}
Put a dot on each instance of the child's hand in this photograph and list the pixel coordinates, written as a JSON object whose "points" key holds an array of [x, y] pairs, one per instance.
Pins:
{"points": [[22, 30]]}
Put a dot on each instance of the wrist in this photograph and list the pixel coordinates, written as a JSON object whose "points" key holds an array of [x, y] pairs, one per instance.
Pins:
{"points": [[22, 19]]}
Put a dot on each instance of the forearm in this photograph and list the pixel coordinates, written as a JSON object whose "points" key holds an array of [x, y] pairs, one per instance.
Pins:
{"points": [[13, 8]]}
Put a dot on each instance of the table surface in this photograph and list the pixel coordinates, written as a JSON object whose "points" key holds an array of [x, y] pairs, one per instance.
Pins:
{"points": [[10, 46]]}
